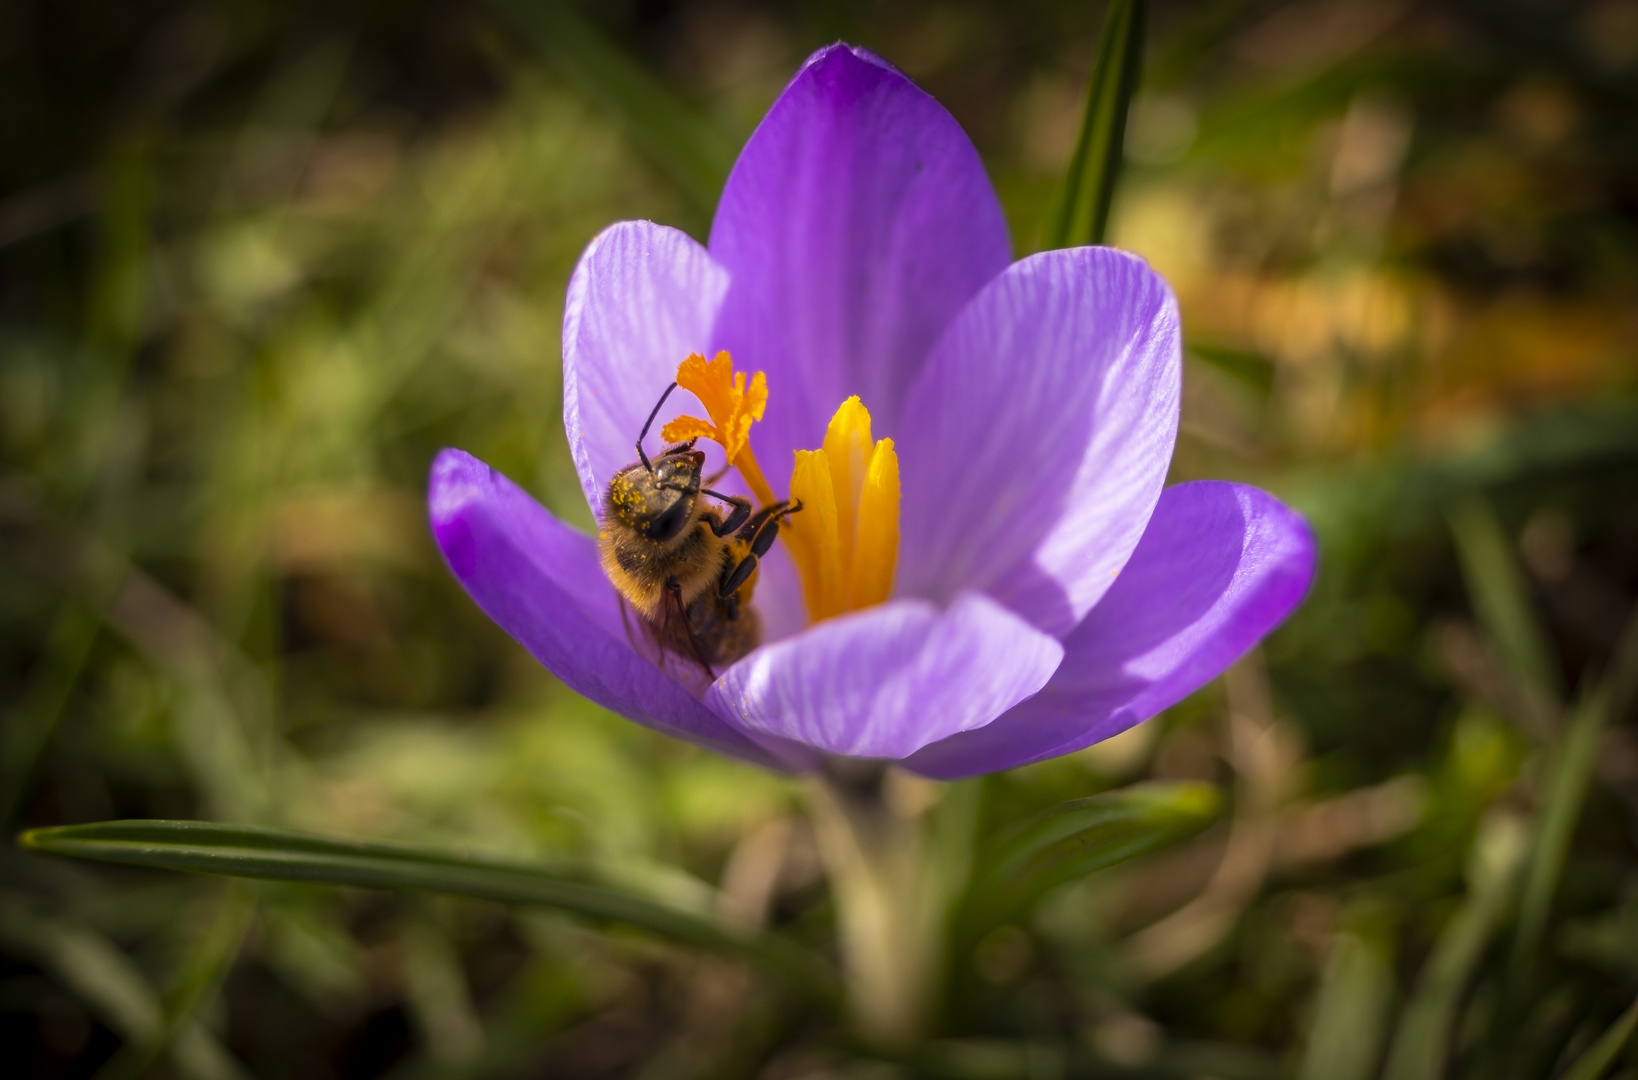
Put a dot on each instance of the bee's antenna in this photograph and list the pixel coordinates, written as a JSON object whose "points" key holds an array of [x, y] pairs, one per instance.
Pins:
{"points": [[650, 423]]}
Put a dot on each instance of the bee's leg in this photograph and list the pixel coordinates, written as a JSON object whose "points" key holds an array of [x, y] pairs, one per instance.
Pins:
{"points": [[736, 517], [680, 610], [761, 531]]}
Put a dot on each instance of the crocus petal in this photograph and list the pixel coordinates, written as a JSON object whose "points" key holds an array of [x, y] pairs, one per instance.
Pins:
{"points": [[855, 224], [1219, 566], [884, 682], [642, 299], [1037, 439], [540, 580]]}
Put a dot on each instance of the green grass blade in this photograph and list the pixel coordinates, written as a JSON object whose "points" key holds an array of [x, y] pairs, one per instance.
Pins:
{"points": [[693, 150], [1601, 1055], [34, 720], [1344, 1038], [1081, 213], [1422, 1040], [110, 984], [1569, 779], [1079, 837], [1502, 604], [249, 851], [202, 970]]}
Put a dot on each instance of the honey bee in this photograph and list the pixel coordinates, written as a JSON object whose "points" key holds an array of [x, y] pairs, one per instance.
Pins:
{"points": [[686, 569]]}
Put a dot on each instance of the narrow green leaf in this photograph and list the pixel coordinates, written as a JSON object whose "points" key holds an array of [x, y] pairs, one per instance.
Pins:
{"points": [[1079, 837], [1593, 1064], [682, 141], [1081, 213], [1344, 1039], [1569, 779], [34, 719], [1422, 1041], [111, 986], [201, 973], [1502, 604], [249, 851], [1253, 369]]}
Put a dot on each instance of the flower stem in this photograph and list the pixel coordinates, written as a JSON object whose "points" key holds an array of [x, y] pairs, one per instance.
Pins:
{"points": [[891, 893]]}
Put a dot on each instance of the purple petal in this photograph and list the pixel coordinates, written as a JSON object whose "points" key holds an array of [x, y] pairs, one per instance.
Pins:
{"points": [[540, 580], [856, 223], [643, 297], [884, 682], [1220, 566], [1037, 439]]}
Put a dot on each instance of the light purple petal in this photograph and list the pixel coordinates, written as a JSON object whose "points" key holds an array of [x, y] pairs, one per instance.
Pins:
{"points": [[884, 682], [1037, 439], [855, 224], [1220, 566], [643, 297], [540, 580]]}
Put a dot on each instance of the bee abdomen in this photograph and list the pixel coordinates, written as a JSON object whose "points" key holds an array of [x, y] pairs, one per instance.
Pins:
{"points": [[641, 568]]}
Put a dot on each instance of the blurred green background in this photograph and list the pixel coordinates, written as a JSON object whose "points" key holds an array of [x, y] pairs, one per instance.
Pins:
{"points": [[260, 261]]}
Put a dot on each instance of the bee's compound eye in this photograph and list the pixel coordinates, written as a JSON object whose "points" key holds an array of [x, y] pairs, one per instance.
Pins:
{"points": [[669, 523]]}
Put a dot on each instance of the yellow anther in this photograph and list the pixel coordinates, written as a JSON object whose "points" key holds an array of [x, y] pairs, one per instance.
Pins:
{"points": [[732, 406], [845, 541]]}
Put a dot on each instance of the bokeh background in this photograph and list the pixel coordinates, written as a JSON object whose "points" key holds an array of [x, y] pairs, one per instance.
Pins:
{"points": [[260, 261]]}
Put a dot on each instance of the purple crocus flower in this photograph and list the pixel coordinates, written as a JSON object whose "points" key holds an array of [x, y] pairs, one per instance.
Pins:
{"points": [[1048, 592]]}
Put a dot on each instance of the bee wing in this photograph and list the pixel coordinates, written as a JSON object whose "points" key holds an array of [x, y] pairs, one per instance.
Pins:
{"points": [[676, 631], [642, 641]]}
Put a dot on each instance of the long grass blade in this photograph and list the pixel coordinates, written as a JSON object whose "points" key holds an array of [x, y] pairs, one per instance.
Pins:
{"points": [[1593, 1064], [1081, 214], [34, 719], [1422, 1040], [111, 986], [1569, 780], [682, 141], [201, 973], [1078, 838], [253, 852], [1344, 1038], [1502, 604]]}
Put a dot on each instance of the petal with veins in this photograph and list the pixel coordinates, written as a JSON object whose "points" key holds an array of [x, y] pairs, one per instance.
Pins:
{"points": [[1219, 566], [540, 580], [884, 682]]}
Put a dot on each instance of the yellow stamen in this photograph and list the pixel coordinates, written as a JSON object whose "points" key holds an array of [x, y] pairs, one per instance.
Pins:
{"points": [[733, 408], [845, 541]]}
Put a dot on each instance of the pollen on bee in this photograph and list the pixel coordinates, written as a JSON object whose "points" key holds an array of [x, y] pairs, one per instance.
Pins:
{"points": [[845, 542]]}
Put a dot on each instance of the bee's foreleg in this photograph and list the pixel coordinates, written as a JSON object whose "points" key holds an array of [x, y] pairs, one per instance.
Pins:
{"points": [[742, 572], [736, 517], [764, 530]]}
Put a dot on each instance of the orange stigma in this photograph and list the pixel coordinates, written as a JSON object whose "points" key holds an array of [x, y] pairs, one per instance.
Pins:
{"points": [[845, 538], [732, 406]]}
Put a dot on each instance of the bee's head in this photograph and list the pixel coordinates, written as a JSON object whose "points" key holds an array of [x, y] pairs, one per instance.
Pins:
{"points": [[658, 498], [679, 468]]}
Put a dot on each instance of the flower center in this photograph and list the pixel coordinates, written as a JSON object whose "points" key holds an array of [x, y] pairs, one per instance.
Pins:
{"points": [[845, 539]]}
